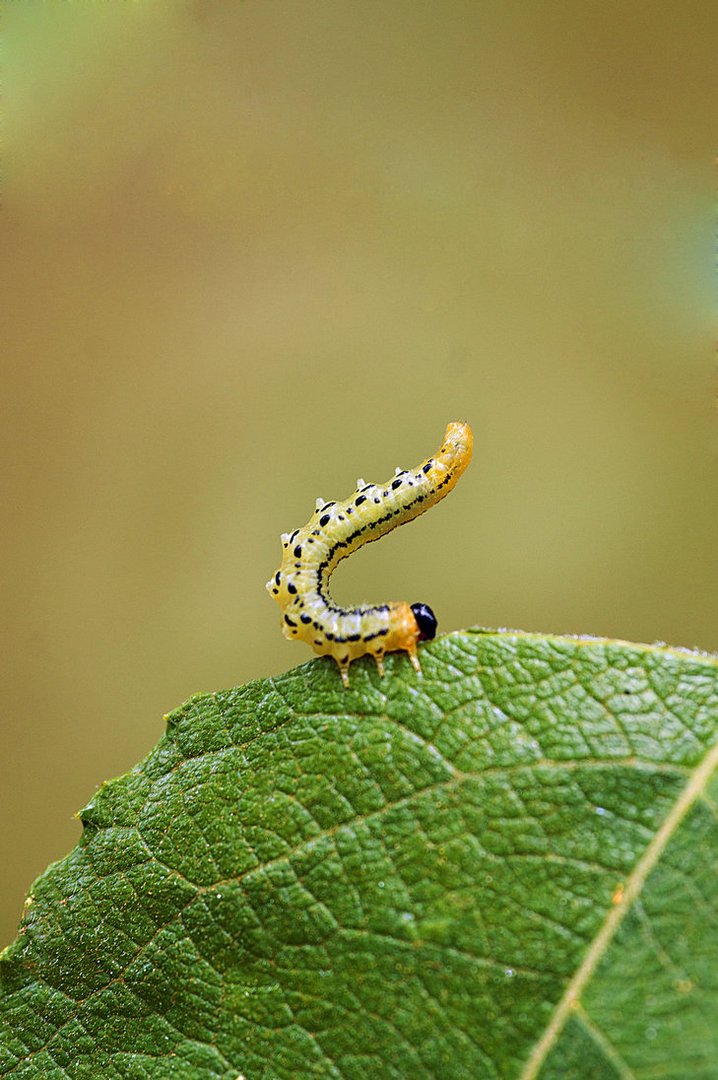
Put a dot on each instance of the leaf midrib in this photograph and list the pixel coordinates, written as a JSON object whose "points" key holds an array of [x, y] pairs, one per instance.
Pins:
{"points": [[633, 885]]}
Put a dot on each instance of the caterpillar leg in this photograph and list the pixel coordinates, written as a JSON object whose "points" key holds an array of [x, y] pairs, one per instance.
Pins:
{"points": [[344, 672], [414, 660], [379, 658]]}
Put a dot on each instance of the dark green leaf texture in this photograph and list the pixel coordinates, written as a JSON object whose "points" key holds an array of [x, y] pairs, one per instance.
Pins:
{"points": [[504, 868]]}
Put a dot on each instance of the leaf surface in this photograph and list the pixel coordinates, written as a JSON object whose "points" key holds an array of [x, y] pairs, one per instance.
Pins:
{"points": [[504, 868]]}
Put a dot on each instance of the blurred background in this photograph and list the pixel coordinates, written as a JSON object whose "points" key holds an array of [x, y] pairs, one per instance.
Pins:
{"points": [[255, 250]]}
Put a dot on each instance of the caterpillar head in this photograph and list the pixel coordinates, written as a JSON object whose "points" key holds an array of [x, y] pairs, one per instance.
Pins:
{"points": [[425, 620]]}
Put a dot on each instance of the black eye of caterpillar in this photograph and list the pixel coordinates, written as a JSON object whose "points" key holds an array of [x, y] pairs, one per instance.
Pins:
{"points": [[301, 582], [425, 620]]}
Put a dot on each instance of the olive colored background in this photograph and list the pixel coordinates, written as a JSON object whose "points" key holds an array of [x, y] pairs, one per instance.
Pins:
{"points": [[254, 250]]}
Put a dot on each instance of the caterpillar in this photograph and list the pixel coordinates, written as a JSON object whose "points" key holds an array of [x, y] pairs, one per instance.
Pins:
{"points": [[335, 530]]}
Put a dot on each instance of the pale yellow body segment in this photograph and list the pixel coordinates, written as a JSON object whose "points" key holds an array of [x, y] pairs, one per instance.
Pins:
{"points": [[335, 530]]}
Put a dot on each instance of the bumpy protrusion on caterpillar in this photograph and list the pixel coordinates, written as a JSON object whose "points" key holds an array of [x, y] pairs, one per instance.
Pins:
{"points": [[335, 530]]}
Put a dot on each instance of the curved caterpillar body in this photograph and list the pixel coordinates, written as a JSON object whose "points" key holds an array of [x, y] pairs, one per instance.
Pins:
{"points": [[335, 530]]}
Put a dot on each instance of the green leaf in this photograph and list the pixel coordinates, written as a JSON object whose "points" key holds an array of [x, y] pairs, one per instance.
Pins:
{"points": [[504, 868]]}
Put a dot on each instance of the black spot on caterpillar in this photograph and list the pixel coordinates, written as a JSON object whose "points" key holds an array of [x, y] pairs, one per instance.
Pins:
{"points": [[335, 530]]}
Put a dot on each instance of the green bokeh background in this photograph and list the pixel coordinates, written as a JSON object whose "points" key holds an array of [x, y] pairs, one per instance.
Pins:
{"points": [[253, 250]]}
